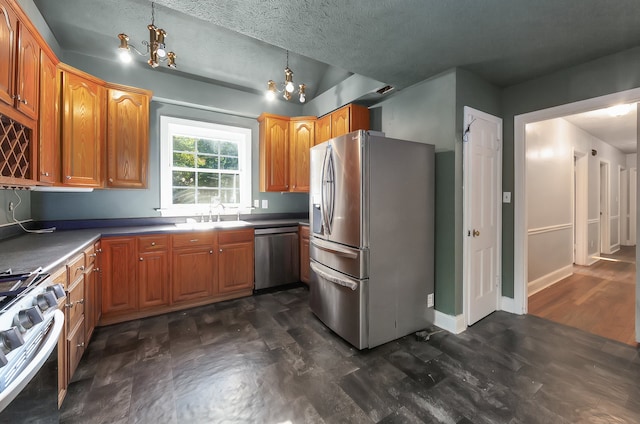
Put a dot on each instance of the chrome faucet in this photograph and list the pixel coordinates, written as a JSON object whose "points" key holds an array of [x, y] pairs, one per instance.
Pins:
{"points": [[220, 206]]}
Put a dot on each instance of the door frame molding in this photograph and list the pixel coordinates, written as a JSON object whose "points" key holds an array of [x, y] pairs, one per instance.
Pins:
{"points": [[580, 205], [469, 115], [604, 231], [520, 251]]}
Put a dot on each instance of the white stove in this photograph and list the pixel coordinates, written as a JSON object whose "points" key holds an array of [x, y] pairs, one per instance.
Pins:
{"points": [[30, 325]]}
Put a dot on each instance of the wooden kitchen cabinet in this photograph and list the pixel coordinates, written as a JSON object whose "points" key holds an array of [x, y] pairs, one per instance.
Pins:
{"points": [[19, 63], [323, 129], [235, 261], [48, 123], [153, 271], [274, 152], [119, 281], [301, 139], [90, 290], [193, 266], [348, 118], [305, 268], [83, 130], [127, 136]]}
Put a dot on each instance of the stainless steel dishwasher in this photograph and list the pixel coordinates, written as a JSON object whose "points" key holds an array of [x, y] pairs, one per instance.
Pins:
{"points": [[276, 257]]}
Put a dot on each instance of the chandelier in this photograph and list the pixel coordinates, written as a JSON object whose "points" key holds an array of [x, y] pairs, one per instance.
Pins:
{"points": [[288, 87], [155, 47]]}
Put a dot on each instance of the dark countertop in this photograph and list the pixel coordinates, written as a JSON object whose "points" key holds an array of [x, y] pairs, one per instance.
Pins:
{"points": [[50, 250]]}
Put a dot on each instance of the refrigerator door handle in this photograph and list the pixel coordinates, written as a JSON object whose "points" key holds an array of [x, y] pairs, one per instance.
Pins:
{"points": [[333, 278], [323, 201], [331, 248]]}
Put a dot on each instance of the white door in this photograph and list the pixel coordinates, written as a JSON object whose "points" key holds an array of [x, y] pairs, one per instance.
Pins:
{"points": [[482, 144], [605, 239]]}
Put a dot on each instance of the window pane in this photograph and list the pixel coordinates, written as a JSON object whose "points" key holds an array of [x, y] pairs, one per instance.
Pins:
{"points": [[230, 196], [207, 196], [228, 163], [185, 144], [228, 180], [208, 162], [228, 148], [184, 178], [184, 196], [208, 179], [208, 146], [185, 160]]}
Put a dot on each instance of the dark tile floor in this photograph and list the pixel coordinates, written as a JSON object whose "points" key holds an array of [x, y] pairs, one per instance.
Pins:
{"points": [[267, 359]]}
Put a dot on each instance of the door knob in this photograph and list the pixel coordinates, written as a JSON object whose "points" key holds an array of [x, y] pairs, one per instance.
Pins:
{"points": [[476, 233]]}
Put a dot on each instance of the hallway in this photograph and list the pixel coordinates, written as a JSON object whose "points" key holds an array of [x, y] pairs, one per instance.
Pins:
{"points": [[599, 298]]}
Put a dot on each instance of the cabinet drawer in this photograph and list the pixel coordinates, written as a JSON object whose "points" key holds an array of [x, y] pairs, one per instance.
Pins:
{"points": [[75, 347], [195, 238], [90, 255], [75, 304], [235, 236], [76, 267], [152, 243], [59, 276]]}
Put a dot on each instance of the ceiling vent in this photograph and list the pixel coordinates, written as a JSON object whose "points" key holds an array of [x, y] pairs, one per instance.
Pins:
{"points": [[384, 90]]}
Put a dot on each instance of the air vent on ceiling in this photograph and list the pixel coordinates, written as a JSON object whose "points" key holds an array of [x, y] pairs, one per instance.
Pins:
{"points": [[385, 89]]}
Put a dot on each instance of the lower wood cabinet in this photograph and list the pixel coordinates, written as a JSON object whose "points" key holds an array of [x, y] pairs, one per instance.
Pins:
{"points": [[152, 274], [235, 260], [305, 268]]}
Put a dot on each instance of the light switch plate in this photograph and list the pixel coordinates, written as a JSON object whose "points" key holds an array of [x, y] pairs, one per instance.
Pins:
{"points": [[256, 203], [430, 300], [265, 203], [506, 197]]}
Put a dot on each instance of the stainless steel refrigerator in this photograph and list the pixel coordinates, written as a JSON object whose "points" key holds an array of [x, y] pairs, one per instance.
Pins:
{"points": [[371, 245]]}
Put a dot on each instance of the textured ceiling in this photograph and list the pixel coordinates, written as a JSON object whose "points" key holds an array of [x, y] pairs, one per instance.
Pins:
{"points": [[242, 43], [620, 131]]}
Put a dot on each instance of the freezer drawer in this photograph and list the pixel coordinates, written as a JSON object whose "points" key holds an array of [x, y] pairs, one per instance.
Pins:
{"points": [[341, 303], [347, 260]]}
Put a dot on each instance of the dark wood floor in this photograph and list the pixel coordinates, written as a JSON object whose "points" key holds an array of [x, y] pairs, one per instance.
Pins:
{"points": [[267, 359], [600, 298]]}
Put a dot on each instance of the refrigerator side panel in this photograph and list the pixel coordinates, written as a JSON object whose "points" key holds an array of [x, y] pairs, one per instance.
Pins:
{"points": [[401, 182]]}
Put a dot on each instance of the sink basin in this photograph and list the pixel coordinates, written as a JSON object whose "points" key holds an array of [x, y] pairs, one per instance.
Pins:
{"points": [[211, 225]]}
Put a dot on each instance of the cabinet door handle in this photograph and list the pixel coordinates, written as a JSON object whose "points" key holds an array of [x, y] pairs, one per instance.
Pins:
{"points": [[193, 240], [80, 268], [96, 269], [110, 180], [80, 302], [68, 177], [80, 344], [141, 259], [220, 250], [46, 174], [211, 252], [93, 255], [69, 305], [98, 250]]}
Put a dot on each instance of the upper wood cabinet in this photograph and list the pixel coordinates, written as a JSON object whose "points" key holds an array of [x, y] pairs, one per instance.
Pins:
{"points": [[82, 128], [48, 124], [19, 63], [127, 137], [342, 121], [274, 152], [301, 139], [323, 129]]}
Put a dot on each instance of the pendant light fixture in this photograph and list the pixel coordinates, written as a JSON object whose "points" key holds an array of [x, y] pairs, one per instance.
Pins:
{"points": [[288, 86], [155, 47]]}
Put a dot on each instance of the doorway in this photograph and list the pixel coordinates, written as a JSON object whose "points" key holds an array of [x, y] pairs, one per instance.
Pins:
{"points": [[604, 206], [601, 229]]}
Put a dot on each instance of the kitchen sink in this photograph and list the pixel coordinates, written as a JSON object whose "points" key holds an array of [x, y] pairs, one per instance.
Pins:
{"points": [[211, 225]]}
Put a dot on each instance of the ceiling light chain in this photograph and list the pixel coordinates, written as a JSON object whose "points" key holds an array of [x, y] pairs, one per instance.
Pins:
{"points": [[288, 87], [155, 47]]}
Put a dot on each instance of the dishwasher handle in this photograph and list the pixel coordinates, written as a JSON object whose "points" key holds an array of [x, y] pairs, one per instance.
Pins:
{"points": [[274, 230]]}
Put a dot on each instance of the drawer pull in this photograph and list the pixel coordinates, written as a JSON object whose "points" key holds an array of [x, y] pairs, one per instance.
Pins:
{"points": [[80, 268], [211, 252], [80, 302], [93, 255], [80, 344], [69, 305], [141, 259], [98, 250], [193, 240]]}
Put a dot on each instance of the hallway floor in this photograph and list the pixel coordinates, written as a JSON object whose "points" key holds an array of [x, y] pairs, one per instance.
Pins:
{"points": [[599, 299], [267, 359]]}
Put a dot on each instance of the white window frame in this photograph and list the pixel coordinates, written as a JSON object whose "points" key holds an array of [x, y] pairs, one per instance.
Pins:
{"points": [[170, 125]]}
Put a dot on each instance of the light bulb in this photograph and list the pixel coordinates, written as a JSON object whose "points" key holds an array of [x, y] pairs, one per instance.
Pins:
{"points": [[270, 95], [302, 98], [125, 55], [289, 87], [160, 51]]}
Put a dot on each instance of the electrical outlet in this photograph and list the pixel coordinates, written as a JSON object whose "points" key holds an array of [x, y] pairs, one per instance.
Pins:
{"points": [[506, 197], [430, 300], [265, 203], [11, 206]]}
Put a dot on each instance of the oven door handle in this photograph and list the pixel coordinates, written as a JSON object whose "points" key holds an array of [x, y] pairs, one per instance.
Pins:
{"points": [[336, 279], [46, 347]]}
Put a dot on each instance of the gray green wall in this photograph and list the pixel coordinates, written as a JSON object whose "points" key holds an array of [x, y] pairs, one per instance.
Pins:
{"points": [[607, 75]]}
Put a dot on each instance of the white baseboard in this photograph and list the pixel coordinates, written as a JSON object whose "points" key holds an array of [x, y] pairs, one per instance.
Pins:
{"points": [[453, 324], [549, 279], [592, 259], [508, 304]]}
